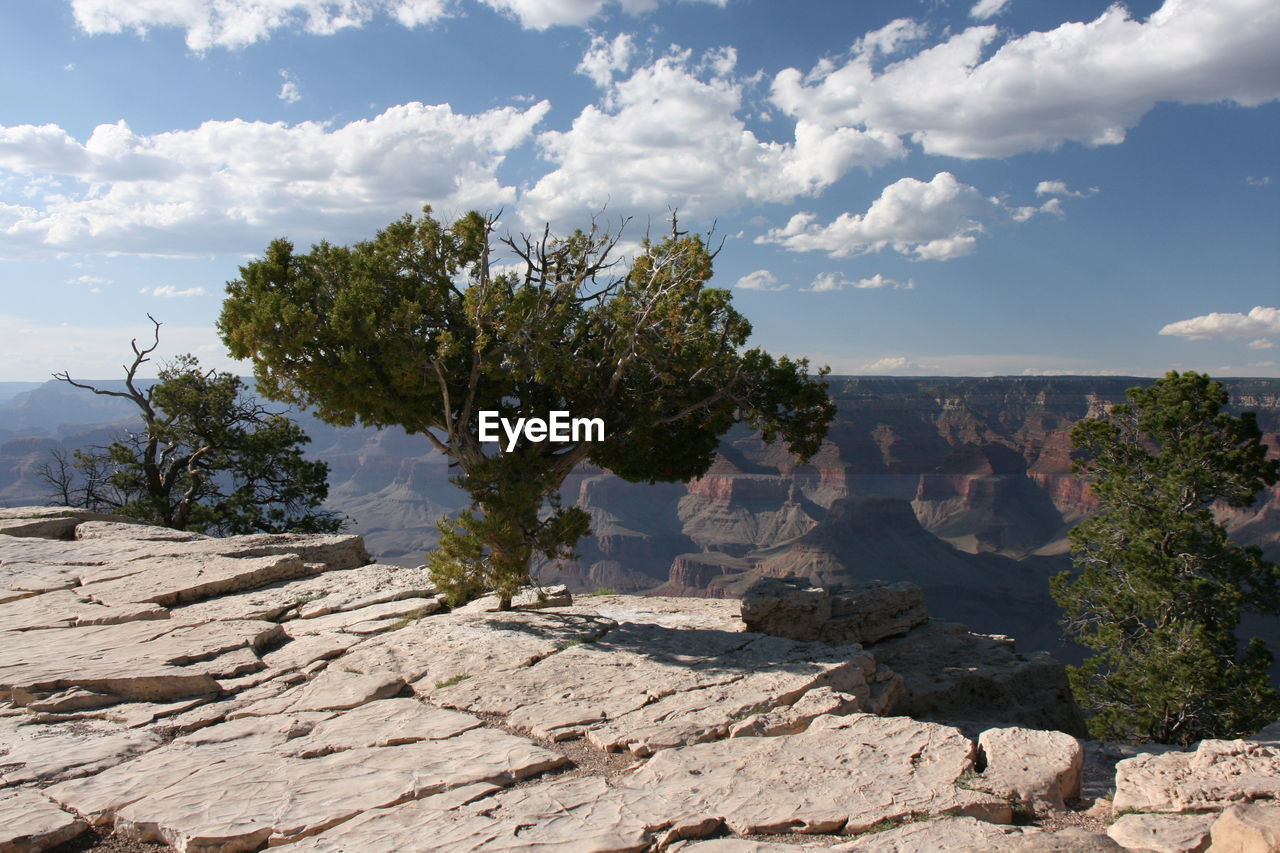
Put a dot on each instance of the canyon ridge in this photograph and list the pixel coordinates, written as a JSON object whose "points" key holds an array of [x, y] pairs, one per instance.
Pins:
{"points": [[959, 485]]}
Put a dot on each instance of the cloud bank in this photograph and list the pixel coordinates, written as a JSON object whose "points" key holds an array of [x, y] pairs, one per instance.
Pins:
{"points": [[226, 186]]}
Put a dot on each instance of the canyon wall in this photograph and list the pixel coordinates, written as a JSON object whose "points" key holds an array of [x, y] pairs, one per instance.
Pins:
{"points": [[961, 485]]}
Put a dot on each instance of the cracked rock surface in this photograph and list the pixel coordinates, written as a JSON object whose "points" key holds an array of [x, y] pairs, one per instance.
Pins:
{"points": [[223, 695]]}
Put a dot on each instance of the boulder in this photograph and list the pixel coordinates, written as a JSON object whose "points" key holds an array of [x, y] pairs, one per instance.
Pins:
{"points": [[855, 613], [1247, 828], [1218, 773], [1042, 769], [1163, 833]]}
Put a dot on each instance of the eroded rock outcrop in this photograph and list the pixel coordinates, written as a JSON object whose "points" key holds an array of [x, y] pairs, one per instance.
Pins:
{"points": [[180, 689], [858, 613]]}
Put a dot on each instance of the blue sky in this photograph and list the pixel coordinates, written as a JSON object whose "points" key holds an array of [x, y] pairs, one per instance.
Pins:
{"points": [[963, 188]]}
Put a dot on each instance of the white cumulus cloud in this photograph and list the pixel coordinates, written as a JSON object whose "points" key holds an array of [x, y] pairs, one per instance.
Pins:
{"points": [[760, 280], [541, 14], [670, 136], [289, 91], [169, 291], [938, 219], [605, 58], [976, 95], [1260, 323], [230, 186], [830, 281], [889, 38], [1060, 188], [984, 9], [236, 23], [892, 364]]}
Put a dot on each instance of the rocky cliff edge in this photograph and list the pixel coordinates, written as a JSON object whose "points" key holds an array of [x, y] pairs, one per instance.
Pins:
{"points": [[233, 694]]}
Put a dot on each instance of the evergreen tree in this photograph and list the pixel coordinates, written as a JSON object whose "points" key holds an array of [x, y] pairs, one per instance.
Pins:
{"points": [[205, 457], [1161, 589], [414, 328]]}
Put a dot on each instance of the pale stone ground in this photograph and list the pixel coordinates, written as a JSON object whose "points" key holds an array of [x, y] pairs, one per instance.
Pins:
{"points": [[229, 695]]}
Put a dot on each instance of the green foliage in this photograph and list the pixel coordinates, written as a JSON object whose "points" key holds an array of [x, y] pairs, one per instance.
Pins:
{"points": [[452, 680], [1161, 588], [412, 329], [205, 457]]}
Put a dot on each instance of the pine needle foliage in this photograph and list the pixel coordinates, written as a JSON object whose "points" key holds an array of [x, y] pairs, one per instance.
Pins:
{"points": [[427, 324], [204, 456], [1160, 588]]}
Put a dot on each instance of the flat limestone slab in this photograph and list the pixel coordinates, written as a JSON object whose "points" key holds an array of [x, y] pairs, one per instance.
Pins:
{"points": [[843, 774], [37, 752], [1217, 774], [334, 550], [944, 835], [167, 581], [351, 620], [397, 827], [65, 608], [100, 796], [645, 686], [389, 722], [307, 649], [1070, 840], [574, 814], [442, 648], [375, 584], [153, 660], [281, 797], [708, 713], [718, 614], [48, 522], [364, 675], [29, 823], [20, 579]]}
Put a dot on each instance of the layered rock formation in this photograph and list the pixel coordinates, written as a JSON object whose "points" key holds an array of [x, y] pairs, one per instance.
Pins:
{"points": [[957, 485], [280, 691]]}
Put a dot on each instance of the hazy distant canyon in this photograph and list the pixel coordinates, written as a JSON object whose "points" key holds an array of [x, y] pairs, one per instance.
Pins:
{"points": [[961, 485]]}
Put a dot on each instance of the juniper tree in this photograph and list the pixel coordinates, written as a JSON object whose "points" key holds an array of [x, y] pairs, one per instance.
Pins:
{"points": [[426, 325], [203, 456], [1161, 588]]}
